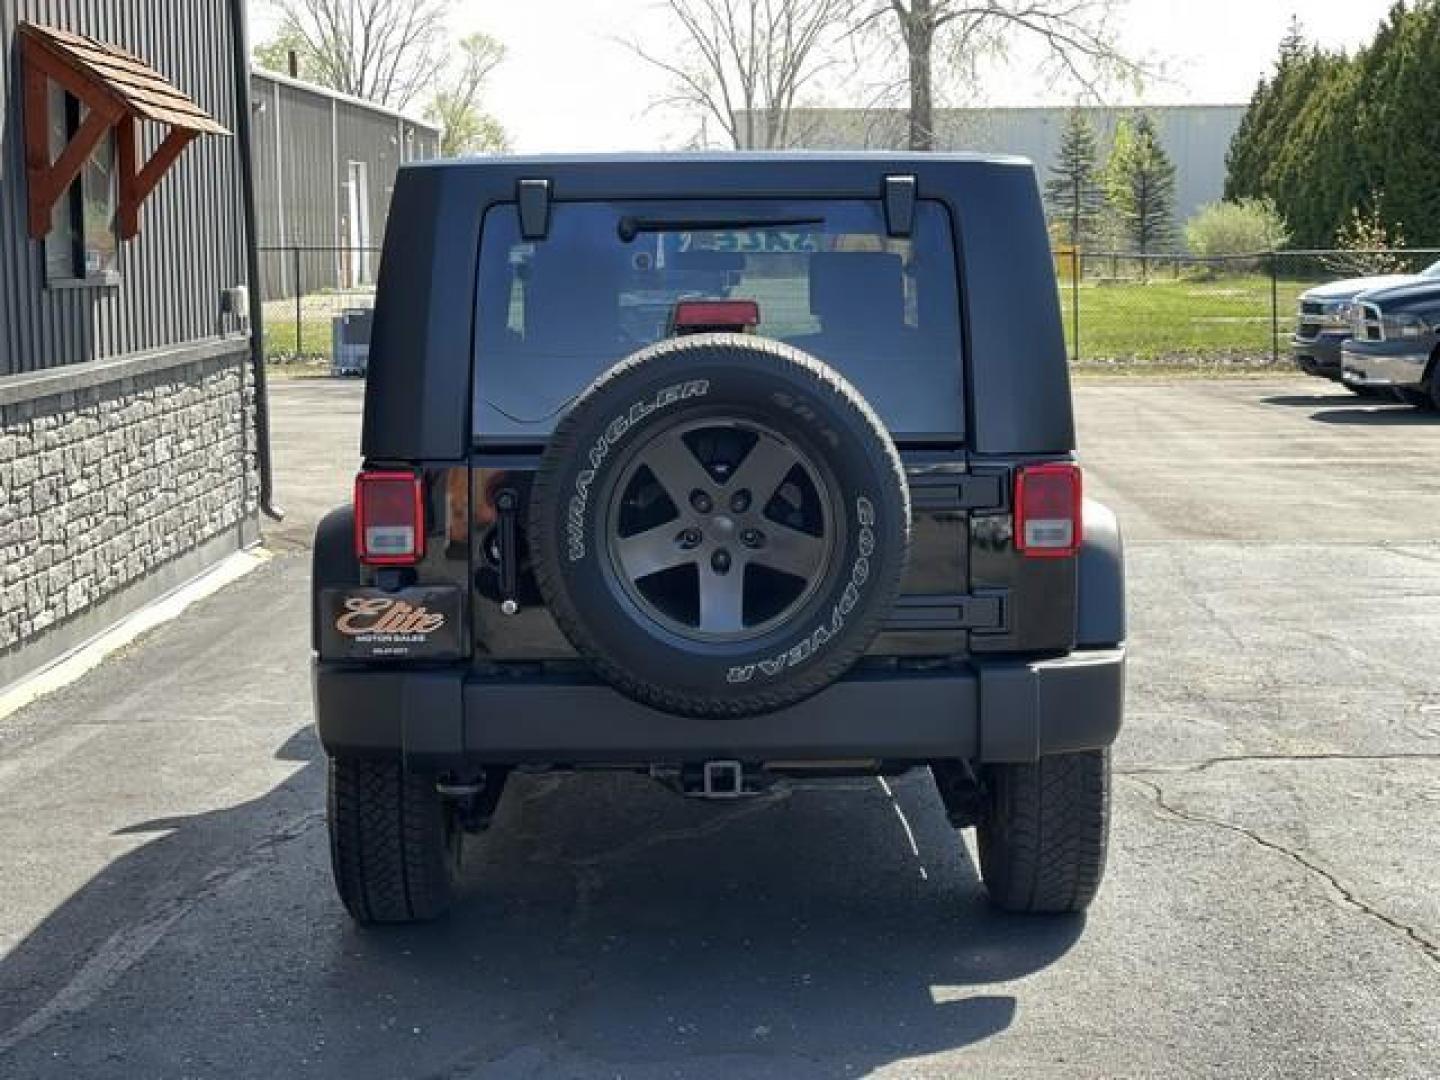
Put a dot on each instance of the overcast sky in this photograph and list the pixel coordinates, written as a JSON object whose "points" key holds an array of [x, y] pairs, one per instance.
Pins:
{"points": [[568, 84]]}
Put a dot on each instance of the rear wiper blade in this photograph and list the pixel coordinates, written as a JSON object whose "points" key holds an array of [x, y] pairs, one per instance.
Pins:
{"points": [[630, 227]]}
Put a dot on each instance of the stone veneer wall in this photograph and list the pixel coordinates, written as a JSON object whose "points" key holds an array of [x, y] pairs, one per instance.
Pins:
{"points": [[111, 473]]}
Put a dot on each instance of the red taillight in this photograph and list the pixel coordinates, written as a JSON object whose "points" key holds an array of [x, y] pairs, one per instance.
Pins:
{"points": [[695, 315], [1047, 511], [389, 518]]}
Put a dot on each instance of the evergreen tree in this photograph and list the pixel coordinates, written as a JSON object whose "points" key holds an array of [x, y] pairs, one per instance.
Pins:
{"points": [[1327, 132], [1292, 45], [1073, 194], [1397, 123], [1267, 121], [1140, 181]]}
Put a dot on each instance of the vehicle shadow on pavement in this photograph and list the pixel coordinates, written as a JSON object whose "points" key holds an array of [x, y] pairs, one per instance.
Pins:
{"points": [[1306, 401], [605, 925], [1379, 416], [1348, 409]]}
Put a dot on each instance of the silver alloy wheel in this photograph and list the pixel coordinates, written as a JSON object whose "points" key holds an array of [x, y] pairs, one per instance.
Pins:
{"points": [[719, 529]]}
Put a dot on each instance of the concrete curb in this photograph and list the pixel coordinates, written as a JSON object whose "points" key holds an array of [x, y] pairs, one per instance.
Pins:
{"points": [[90, 654]]}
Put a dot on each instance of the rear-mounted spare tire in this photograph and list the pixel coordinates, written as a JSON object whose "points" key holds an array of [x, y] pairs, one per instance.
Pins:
{"points": [[719, 525]]}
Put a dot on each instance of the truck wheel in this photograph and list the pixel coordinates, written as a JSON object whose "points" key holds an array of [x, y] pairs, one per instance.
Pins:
{"points": [[1043, 833], [719, 525], [394, 842]]}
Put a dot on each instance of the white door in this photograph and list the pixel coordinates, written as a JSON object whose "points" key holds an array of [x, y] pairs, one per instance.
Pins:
{"points": [[359, 239]]}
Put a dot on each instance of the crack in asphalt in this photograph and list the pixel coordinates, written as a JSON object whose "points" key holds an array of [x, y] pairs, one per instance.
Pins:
{"points": [[1241, 759], [588, 880], [586, 871], [1408, 552], [130, 944], [1427, 946], [1200, 597]]}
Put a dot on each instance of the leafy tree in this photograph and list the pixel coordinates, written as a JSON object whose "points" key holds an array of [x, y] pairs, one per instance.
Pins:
{"points": [[744, 64], [1367, 244], [380, 50], [456, 107], [274, 54], [1140, 181], [1077, 38], [1246, 227], [1073, 193]]}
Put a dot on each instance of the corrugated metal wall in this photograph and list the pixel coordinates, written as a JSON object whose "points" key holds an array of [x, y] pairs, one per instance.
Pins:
{"points": [[306, 182], [305, 142], [190, 245], [1196, 137]]}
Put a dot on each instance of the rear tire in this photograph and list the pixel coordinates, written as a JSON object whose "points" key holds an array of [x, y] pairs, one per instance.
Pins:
{"points": [[394, 842], [1044, 832]]}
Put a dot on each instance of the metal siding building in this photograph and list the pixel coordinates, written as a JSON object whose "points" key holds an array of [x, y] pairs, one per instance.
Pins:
{"points": [[325, 170], [1197, 137], [127, 444], [191, 246]]}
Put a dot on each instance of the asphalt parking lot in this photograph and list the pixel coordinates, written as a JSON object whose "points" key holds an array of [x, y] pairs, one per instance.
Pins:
{"points": [[1272, 907]]}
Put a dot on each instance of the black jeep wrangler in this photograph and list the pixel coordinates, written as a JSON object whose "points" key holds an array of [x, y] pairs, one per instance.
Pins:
{"points": [[722, 469]]}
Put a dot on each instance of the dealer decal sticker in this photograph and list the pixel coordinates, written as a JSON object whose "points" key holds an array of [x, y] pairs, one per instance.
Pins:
{"points": [[411, 624], [371, 617]]}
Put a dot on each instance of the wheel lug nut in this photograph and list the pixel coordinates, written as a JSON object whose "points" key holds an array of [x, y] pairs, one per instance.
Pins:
{"points": [[690, 538], [752, 538], [701, 502], [720, 562], [740, 502]]}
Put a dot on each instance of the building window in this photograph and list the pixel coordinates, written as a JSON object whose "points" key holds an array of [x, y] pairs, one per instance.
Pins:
{"points": [[82, 244]]}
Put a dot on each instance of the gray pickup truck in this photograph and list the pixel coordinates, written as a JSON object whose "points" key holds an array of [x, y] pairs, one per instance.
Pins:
{"points": [[1395, 347], [1326, 320], [720, 469]]}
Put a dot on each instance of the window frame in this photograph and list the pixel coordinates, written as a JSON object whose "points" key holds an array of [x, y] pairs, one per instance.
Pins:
{"points": [[937, 210], [69, 222]]}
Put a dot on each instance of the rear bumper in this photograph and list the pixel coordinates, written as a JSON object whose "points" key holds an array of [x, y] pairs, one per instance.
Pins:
{"points": [[1398, 365], [988, 711]]}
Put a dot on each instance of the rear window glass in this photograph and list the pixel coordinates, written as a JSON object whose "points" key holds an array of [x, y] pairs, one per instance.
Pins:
{"points": [[555, 313]]}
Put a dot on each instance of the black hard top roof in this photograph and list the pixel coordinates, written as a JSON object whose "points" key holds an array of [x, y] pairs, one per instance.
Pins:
{"points": [[742, 159]]}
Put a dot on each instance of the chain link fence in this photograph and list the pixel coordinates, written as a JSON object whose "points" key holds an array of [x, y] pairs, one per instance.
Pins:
{"points": [[317, 304], [1123, 309], [1120, 309]]}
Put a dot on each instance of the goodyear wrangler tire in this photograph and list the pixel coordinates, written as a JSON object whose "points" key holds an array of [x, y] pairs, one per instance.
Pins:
{"points": [[719, 525]]}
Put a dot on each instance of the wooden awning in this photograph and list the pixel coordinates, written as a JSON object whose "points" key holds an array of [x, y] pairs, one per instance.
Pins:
{"points": [[117, 89]]}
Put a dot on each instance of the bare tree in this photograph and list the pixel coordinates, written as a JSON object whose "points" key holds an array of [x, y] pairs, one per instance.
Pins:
{"points": [[745, 63], [456, 106], [1077, 37], [382, 50]]}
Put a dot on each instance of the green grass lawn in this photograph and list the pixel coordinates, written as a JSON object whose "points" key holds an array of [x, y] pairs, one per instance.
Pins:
{"points": [[281, 346], [1228, 319], [1166, 325]]}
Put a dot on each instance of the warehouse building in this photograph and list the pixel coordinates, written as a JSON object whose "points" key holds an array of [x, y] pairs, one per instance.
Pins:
{"points": [[325, 169], [1197, 137]]}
